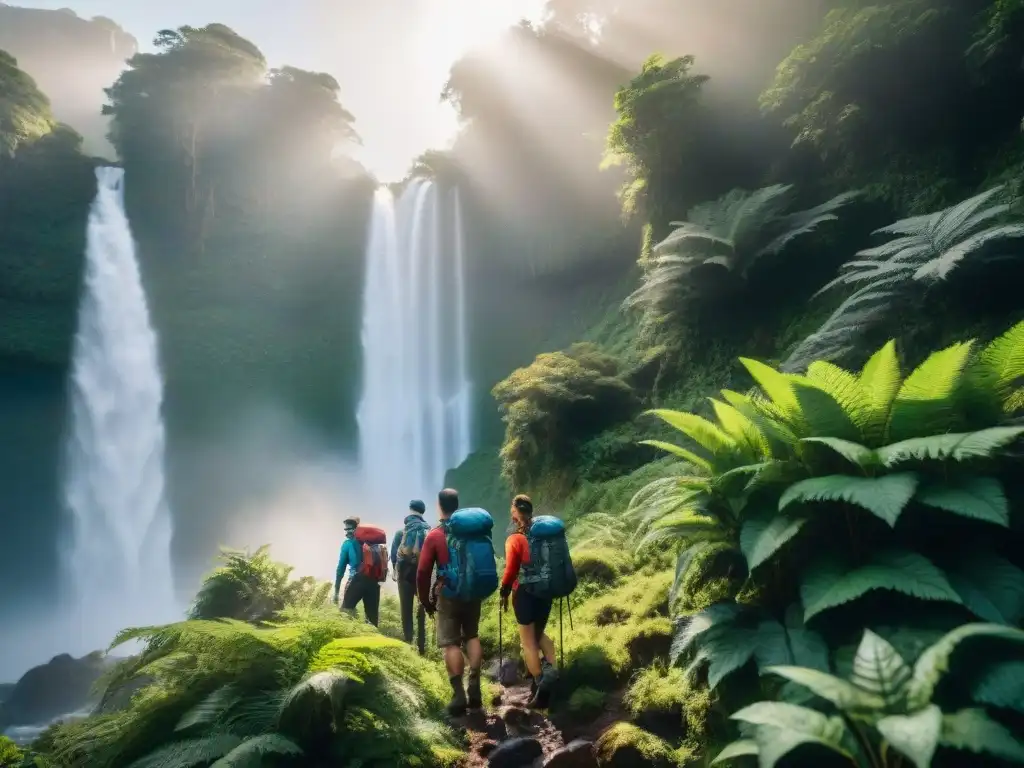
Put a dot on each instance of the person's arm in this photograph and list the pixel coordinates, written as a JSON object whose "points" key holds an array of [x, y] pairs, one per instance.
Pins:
{"points": [[340, 573], [513, 561], [425, 568], [395, 544]]}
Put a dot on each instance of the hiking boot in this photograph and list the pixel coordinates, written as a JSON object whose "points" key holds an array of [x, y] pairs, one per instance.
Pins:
{"points": [[457, 706], [540, 699], [476, 700], [548, 675]]}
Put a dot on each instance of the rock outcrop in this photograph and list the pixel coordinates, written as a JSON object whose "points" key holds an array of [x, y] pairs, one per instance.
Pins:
{"points": [[62, 686]]}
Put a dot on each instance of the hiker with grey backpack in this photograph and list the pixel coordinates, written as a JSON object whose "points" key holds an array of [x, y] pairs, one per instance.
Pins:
{"points": [[405, 552], [538, 571]]}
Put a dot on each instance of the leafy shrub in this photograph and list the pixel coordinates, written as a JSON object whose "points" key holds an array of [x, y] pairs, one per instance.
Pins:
{"points": [[575, 392], [10, 754], [838, 500], [889, 707], [603, 566], [252, 587]]}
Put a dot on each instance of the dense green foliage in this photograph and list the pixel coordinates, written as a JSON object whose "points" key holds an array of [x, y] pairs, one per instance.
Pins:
{"points": [[307, 683]]}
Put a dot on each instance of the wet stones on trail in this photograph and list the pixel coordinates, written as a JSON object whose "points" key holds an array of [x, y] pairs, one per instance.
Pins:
{"points": [[513, 736]]}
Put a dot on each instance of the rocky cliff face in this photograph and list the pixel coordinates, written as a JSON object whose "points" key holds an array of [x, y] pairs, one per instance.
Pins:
{"points": [[50, 690], [72, 59]]}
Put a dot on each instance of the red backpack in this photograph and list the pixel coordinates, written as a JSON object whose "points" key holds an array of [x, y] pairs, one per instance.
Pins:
{"points": [[374, 564]]}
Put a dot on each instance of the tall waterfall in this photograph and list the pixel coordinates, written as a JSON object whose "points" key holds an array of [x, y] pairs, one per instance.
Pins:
{"points": [[414, 414], [117, 564]]}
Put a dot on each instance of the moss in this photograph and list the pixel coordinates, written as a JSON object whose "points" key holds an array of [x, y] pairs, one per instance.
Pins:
{"points": [[603, 565], [586, 703], [625, 745], [657, 689]]}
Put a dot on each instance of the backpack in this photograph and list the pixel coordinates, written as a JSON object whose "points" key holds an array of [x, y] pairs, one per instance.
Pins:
{"points": [[374, 564], [549, 575], [413, 536], [471, 573]]}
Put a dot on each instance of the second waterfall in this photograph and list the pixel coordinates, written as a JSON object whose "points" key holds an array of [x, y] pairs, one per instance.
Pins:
{"points": [[415, 410]]}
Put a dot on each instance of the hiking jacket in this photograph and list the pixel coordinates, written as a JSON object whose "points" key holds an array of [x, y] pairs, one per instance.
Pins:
{"points": [[517, 554], [351, 556], [434, 553], [396, 542]]}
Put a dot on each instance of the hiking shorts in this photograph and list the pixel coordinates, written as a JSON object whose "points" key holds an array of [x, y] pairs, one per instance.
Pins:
{"points": [[457, 621], [530, 609]]}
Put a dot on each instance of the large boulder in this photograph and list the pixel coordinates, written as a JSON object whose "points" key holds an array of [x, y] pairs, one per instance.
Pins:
{"points": [[60, 687], [625, 746]]}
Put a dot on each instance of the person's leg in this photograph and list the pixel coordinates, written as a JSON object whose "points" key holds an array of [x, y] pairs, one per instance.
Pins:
{"points": [[353, 594], [371, 603], [522, 606], [449, 637], [542, 615], [405, 599], [475, 652], [421, 630]]}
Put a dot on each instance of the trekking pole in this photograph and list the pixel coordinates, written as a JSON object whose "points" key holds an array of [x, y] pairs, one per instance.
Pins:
{"points": [[561, 639], [501, 649]]}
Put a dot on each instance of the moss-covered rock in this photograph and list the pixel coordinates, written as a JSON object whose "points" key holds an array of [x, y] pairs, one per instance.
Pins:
{"points": [[625, 746], [602, 565], [586, 703]]}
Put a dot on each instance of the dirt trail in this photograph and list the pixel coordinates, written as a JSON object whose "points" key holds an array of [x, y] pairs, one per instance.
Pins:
{"points": [[512, 719]]}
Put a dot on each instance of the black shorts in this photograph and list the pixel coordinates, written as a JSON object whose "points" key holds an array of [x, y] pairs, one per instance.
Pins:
{"points": [[531, 610]]}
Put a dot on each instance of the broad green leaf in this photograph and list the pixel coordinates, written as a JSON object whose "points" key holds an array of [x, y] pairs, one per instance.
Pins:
{"points": [[706, 434], [739, 748], [958, 446], [1001, 685], [777, 386], [885, 497], [684, 454], [880, 381], [979, 498], [934, 662], [727, 652], [843, 694], [783, 727], [991, 587], [924, 402], [761, 538], [690, 628], [830, 584], [879, 668], [915, 735], [822, 415], [855, 453], [772, 646], [971, 730], [809, 648]]}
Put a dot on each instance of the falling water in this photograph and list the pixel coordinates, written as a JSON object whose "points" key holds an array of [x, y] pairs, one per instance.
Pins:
{"points": [[414, 415], [117, 567]]}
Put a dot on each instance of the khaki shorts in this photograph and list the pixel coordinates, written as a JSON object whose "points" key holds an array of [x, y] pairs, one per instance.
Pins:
{"points": [[457, 621]]}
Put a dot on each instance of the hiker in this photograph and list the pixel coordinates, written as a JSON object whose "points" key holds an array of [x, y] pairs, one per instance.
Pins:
{"points": [[365, 557], [537, 570], [405, 552], [461, 550]]}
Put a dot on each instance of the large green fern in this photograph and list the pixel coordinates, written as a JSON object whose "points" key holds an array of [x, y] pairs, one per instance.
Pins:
{"points": [[722, 240], [923, 249]]}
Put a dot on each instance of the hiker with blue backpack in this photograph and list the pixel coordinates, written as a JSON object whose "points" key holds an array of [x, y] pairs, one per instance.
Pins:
{"points": [[538, 571], [406, 547], [460, 549]]}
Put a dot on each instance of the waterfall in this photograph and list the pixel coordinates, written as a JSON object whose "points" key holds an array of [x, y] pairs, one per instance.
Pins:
{"points": [[414, 413], [117, 563]]}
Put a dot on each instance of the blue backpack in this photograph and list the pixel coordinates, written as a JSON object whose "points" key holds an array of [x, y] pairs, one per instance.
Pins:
{"points": [[471, 573], [549, 575]]}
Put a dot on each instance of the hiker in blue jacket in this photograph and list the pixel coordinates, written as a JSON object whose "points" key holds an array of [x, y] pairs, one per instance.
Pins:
{"points": [[350, 557], [405, 550]]}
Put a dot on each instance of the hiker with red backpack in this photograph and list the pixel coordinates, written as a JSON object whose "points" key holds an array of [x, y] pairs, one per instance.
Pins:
{"points": [[405, 552], [365, 557]]}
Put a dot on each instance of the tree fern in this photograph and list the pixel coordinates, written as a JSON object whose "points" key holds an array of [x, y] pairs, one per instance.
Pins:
{"points": [[726, 236], [923, 249]]}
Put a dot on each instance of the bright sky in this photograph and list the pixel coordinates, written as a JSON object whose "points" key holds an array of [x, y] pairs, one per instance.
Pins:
{"points": [[391, 57]]}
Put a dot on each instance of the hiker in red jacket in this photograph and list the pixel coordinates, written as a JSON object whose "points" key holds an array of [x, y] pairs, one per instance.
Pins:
{"points": [[458, 622]]}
